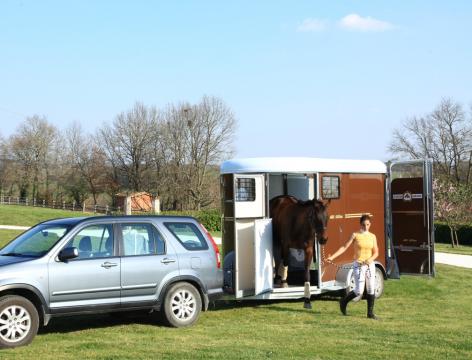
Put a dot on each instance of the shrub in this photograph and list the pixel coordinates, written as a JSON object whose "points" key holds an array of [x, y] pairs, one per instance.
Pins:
{"points": [[211, 219], [442, 234]]}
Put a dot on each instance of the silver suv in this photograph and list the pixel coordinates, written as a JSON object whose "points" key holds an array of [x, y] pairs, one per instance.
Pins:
{"points": [[106, 264]]}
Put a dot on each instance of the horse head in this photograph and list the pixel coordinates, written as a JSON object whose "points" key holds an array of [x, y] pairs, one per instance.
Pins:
{"points": [[320, 219]]}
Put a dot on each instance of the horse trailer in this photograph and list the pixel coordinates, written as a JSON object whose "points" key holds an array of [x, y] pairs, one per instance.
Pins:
{"points": [[397, 196]]}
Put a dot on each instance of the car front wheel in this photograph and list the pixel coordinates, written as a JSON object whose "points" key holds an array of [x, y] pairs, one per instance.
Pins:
{"points": [[19, 321], [182, 305]]}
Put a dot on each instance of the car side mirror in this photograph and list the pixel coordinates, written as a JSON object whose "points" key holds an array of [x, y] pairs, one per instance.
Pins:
{"points": [[68, 253]]}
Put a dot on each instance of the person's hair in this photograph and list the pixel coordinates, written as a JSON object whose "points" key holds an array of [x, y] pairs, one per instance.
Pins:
{"points": [[364, 218]]}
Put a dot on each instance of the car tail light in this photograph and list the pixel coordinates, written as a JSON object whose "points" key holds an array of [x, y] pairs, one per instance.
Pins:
{"points": [[215, 247]]}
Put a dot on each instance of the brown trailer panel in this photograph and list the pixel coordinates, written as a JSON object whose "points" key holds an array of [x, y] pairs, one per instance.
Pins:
{"points": [[358, 194]]}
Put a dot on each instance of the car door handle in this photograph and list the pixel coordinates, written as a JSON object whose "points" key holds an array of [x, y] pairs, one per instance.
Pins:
{"points": [[108, 265], [167, 261]]}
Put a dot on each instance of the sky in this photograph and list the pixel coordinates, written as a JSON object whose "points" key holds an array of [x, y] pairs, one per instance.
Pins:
{"points": [[326, 79]]}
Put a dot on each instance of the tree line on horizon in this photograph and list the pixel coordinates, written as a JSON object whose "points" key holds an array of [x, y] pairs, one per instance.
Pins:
{"points": [[445, 136], [171, 152]]}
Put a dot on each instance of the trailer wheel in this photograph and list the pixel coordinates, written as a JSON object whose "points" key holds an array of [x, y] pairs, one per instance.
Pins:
{"points": [[379, 284]]}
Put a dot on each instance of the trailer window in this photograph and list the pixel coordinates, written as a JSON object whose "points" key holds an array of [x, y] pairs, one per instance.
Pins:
{"points": [[330, 187], [245, 189]]}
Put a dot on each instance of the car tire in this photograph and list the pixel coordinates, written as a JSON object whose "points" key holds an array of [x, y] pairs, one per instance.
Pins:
{"points": [[19, 321], [182, 305]]}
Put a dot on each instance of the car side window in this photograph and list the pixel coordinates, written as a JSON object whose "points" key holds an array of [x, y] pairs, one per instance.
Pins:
{"points": [[95, 241], [141, 239], [188, 235]]}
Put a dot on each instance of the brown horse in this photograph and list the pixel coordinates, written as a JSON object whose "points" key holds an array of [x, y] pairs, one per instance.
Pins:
{"points": [[297, 224]]}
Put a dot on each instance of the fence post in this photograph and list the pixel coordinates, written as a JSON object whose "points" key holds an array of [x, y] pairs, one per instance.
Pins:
{"points": [[34, 202], [156, 205], [127, 207], [73, 205], [44, 203], [118, 209], [63, 205], [17, 201], [9, 200], [83, 207], [95, 209], [26, 202], [106, 209]]}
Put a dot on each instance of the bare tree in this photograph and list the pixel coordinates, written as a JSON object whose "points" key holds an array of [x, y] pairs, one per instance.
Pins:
{"points": [[32, 147], [87, 162], [211, 128], [128, 144], [444, 135]]}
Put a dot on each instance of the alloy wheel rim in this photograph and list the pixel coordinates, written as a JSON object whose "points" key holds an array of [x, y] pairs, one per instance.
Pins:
{"points": [[183, 305], [15, 323]]}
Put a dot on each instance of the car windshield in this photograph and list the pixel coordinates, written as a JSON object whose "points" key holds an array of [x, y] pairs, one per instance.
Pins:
{"points": [[35, 242]]}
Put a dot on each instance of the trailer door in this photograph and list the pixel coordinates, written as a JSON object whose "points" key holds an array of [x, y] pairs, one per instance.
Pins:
{"points": [[263, 256], [249, 206], [411, 202]]}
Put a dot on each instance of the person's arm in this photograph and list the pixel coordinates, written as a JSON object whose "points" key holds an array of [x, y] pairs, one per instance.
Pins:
{"points": [[375, 252], [342, 249]]}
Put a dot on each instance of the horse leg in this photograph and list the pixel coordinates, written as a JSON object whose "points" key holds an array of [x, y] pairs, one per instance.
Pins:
{"points": [[307, 292], [282, 270], [277, 263]]}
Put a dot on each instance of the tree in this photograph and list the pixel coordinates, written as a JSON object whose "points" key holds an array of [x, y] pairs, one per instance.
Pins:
{"points": [[453, 205], [444, 135], [32, 147], [87, 161], [128, 144], [211, 128], [196, 138]]}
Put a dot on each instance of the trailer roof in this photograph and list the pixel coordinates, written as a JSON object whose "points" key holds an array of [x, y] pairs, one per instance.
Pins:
{"points": [[287, 165]]}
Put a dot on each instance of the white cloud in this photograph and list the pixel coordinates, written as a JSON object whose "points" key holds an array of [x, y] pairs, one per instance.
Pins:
{"points": [[358, 23], [312, 25]]}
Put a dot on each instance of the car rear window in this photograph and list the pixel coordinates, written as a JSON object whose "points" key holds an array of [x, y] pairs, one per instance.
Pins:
{"points": [[188, 235]]}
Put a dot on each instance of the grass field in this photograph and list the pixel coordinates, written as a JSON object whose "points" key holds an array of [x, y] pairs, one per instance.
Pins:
{"points": [[463, 249], [29, 215], [421, 318]]}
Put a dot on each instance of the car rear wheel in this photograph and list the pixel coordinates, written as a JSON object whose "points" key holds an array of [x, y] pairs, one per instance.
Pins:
{"points": [[182, 305], [19, 321]]}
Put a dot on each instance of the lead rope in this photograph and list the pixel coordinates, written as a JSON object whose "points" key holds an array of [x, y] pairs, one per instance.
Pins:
{"points": [[345, 267]]}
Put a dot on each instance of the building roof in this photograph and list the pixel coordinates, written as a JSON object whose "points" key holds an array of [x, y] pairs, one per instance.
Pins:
{"points": [[301, 165], [133, 194]]}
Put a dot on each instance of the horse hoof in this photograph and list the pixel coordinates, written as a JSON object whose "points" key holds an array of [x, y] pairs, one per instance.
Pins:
{"points": [[307, 305]]}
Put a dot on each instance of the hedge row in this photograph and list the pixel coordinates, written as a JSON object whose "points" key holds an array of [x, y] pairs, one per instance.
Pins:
{"points": [[211, 219], [442, 234]]}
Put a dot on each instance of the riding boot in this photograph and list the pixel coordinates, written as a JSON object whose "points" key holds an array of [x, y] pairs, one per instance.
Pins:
{"points": [[345, 300], [370, 307]]}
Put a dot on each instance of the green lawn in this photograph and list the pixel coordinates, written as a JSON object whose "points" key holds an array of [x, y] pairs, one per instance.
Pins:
{"points": [[29, 215], [421, 318], [447, 248]]}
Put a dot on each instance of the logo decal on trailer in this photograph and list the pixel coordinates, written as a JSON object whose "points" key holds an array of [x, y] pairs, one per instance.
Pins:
{"points": [[407, 196]]}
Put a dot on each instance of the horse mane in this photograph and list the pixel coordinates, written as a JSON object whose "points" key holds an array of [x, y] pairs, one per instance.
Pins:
{"points": [[312, 203]]}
